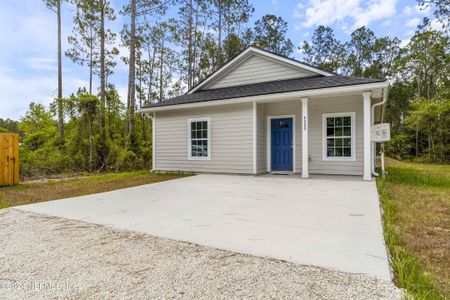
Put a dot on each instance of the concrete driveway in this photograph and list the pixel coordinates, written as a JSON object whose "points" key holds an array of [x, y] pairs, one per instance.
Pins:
{"points": [[330, 222]]}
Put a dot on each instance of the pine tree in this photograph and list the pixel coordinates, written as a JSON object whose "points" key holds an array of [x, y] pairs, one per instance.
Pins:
{"points": [[55, 6], [270, 34]]}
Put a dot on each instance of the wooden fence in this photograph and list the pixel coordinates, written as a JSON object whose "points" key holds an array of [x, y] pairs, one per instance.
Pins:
{"points": [[9, 158]]}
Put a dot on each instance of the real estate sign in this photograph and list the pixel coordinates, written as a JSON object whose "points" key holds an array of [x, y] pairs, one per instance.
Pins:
{"points": [[380, 133]]}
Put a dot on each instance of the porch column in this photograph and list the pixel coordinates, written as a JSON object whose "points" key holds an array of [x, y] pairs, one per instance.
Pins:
{"points": [[305, 172], [367, 146]]}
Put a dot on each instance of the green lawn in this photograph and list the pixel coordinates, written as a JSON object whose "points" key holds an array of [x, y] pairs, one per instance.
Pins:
{"points": [[39, 191], [416, 203]]}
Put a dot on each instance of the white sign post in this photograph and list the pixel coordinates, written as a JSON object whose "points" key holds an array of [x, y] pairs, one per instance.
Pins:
{"points": [[381, 133]]}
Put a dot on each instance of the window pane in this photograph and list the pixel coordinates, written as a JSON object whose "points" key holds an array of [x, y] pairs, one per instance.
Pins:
{"points": [[199, 134], [194, 148], [347, 152], [330, 122], [330, 131], [347, 131], [330, 152], [205, 148], [347, 121], [338, 128], [283, 124]]}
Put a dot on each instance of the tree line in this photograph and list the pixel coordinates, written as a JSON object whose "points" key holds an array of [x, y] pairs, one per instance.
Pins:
{"points": [[174, 44]]}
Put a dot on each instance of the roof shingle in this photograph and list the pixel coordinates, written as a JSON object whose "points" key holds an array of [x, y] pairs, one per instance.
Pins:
{"points": [[264, 88]]}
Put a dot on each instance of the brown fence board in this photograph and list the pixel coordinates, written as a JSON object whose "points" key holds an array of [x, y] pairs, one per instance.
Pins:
{"points": [[9, 158], [2, 160]]}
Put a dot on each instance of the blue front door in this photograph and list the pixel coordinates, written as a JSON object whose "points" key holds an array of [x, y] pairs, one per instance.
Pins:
{"points": [[281, 144]]}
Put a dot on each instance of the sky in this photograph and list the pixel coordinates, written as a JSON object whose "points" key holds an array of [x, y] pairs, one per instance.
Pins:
{"points": [[28, 56]]}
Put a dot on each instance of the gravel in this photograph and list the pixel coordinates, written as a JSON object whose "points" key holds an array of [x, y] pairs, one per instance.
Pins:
{"points": [[49, 257]]}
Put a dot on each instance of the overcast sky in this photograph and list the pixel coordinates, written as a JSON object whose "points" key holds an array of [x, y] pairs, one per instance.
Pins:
{"points": [[28, 40]]}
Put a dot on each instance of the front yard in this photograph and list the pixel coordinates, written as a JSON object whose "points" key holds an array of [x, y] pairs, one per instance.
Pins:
{"points": [[39, 191], [416, 202]]}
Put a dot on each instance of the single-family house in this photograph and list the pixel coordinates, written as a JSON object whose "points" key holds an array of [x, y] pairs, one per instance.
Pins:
{"points": [[265, 113]]}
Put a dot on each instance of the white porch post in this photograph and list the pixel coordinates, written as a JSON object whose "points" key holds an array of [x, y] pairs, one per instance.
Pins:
{"points": [[305, 172], [254, 136], [367, 146]]}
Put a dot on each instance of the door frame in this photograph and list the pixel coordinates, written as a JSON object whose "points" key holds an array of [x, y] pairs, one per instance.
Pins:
{"points": [[269, 140]]}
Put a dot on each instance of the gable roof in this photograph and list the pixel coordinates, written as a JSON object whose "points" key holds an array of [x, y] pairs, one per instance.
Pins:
{"points": [[252, 51], [264, 88]]}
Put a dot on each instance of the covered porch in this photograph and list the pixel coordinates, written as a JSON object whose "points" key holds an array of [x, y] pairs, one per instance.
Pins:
{"points": [[316, 133]]}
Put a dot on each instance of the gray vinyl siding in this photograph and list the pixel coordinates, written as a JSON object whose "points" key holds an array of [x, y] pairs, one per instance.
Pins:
{"points": [[320, 106], [231, 139], [290, 108], [261, 145], [258, 69]]}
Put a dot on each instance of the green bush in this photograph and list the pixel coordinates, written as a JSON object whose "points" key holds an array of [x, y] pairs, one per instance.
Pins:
{"points": [[399, 146]]}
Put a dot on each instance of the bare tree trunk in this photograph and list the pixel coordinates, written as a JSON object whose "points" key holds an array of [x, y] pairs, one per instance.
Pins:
{"points": [[429, 145], [60, 105], [190, 23], [417, 140], [151, 60], [102, 69], [91, 150], [91, 58], [139, 63], [131, 71], [219, 36], [161, 68], [194, 50]]}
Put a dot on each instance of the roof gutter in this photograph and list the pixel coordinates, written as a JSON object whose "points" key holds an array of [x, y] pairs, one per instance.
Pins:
{"points": [[385, 93], [272, 97]]}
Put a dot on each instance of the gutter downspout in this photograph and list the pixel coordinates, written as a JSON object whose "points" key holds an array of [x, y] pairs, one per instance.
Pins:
{"points": [[385, 92]]}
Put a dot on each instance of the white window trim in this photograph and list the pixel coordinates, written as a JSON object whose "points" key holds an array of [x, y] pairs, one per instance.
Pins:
{"points": [[269, 140], [324, 137], [190, 157]]}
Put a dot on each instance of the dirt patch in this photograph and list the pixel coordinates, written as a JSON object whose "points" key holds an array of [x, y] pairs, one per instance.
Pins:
{"points": [[39, 191]]}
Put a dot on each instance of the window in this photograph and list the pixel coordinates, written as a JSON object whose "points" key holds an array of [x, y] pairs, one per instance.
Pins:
{"points": [[199, 138], [338, 136], [282, 124]]}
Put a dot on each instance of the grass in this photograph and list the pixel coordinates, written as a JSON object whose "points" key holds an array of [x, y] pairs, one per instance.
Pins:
{"points": [[39, 191], [416, 205]]}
